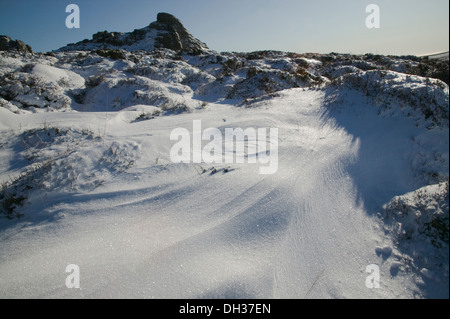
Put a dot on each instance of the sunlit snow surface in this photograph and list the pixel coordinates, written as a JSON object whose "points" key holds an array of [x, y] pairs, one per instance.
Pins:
{"points": [[108, 198]]}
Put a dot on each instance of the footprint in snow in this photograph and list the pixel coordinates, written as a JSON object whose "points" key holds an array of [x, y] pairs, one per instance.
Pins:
{"points": [[395, 268], [385, 252]]}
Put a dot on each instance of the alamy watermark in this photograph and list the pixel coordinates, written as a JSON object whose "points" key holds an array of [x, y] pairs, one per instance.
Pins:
{"points": [[73, 19], [236, 145], [73, 279], [373, 280], [373, 19]]}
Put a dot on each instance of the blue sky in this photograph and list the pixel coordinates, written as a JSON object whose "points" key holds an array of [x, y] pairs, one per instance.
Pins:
{"points": [[407, 26]]}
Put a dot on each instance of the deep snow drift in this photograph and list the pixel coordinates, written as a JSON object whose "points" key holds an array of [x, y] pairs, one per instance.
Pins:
{"points": [[87, 177]]}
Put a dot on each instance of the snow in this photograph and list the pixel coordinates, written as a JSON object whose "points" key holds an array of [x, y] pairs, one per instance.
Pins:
{"points": [[160, 230], [8, 120], [54, 75], [100, 190]]}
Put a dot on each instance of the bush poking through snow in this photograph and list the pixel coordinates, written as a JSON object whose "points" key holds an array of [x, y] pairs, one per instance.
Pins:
{"points": [[28, 90], [14, 193], [112, 54], [94, 81], [430, 97], [418, 223], [145, 117], [119, 158], [9, 204], [421, 213]]}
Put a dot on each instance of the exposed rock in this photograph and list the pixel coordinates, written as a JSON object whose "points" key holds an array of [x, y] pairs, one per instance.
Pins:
{"points": [[177, 37], [167, 32], [107, 37], [7, 44]]}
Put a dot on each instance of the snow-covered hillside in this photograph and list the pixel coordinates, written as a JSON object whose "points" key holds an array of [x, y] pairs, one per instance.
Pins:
{"points": [[87, 177]]}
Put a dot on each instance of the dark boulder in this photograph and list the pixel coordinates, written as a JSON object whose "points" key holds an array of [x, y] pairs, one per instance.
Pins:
{"points": [[7, 44]]}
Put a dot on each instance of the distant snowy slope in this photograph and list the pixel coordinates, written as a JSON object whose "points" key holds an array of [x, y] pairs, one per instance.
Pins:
{"points": [[444, 56]]}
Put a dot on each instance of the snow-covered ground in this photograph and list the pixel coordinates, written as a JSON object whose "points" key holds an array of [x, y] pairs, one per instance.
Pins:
{"points": [[92, 182]]}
